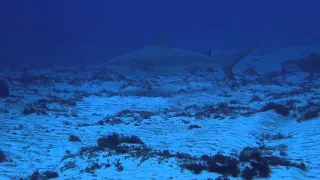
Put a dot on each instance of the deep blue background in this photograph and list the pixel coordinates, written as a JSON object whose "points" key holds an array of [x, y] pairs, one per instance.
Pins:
{"points": [[75, 31]]}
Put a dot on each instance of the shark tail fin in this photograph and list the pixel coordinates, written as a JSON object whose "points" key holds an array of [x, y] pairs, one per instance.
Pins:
{"points": [[233, 60]]}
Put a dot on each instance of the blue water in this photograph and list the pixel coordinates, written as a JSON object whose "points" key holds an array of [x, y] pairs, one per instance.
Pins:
{"points": [[73, 31], [67, 112]]}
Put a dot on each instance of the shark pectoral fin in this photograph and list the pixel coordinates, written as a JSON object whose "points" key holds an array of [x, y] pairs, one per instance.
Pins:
{"points": [[233, 60], [193, 70], [147, 69]]}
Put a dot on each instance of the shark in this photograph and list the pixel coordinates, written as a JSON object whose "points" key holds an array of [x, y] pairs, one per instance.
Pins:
{"points": [[166, 61]]}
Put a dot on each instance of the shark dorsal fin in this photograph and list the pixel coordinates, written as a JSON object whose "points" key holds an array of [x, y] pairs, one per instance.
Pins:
{"points": [[208, 53]]}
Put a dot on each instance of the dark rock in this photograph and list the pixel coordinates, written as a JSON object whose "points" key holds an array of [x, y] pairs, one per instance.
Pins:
{"points": [[280, 109], [255, 98], [114, 140], [223, 165], [35, 176], [196, 167], [311, 114], [248, 173], [249, 153], [111, 141], [192, 126], [2, 157], [50, 174], [74, 138], [222, 178], [262, 167], [46, 175], [29, 110]]}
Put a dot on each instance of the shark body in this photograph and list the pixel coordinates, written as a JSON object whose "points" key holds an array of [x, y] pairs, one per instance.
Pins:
{"points": [[165, 61]]}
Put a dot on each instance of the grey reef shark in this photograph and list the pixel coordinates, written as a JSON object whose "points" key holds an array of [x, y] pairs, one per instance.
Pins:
{"points": [[154, 61], [166, 61]]}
